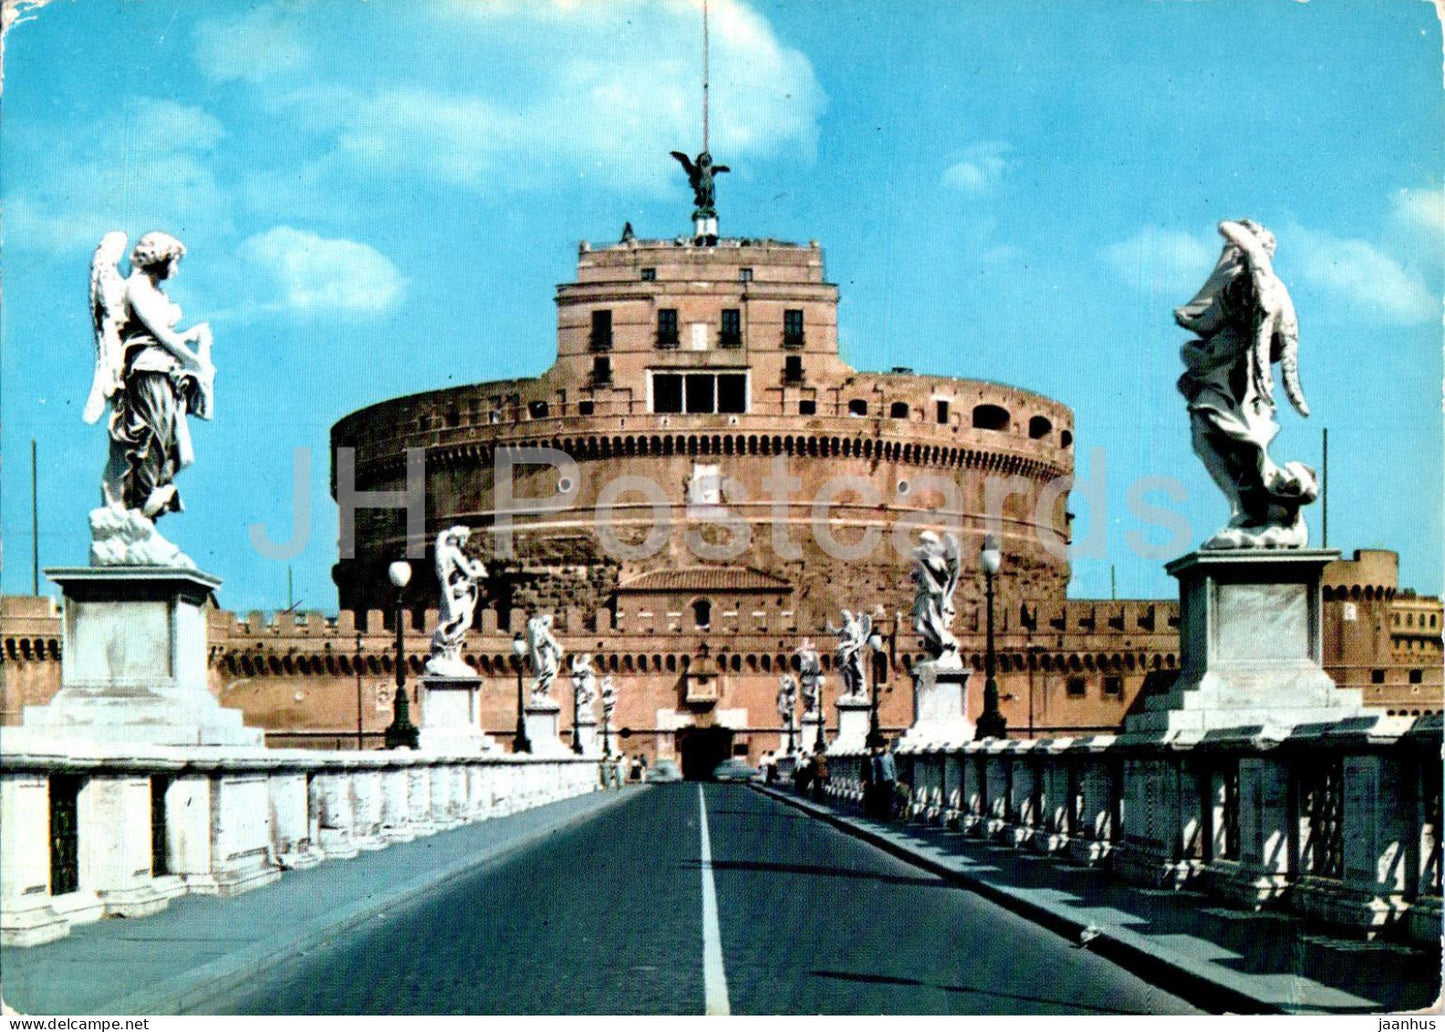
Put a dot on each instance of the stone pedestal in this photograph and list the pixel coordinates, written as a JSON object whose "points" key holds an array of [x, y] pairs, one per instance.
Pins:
{"points": [[853, 713], [940, 708], [788, 742], [450, 715], [1250, 642], [808, 735], [587, 731], [133, 665], [543, 723]]}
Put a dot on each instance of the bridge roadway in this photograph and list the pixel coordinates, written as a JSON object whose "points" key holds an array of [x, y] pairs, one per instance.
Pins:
{"points": [[689, 899]]}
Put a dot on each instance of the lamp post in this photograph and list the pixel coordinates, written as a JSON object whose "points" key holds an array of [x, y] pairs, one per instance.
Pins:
{"points": [[520, 743], [577, 714], [821, 744], [875, 733], [990, 723], [401, 731]]}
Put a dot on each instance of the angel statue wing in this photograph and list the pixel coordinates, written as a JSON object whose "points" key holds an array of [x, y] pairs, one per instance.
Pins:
{"points": [[865, 626], [687, 165], [107, 308]]}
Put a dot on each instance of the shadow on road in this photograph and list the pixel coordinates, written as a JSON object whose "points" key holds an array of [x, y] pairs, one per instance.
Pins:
{"points": [[1072, 1004], [825, 872]]}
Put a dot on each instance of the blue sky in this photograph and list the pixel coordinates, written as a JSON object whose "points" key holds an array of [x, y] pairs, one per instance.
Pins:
{"points": [[379, 198]]}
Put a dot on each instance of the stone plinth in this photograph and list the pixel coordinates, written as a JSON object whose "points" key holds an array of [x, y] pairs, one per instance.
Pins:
{"points": [[133, 665], [587, 731], [1249, 637], [450, 714], [853, 713], [808, 735], [543, 720], [940, 708]]}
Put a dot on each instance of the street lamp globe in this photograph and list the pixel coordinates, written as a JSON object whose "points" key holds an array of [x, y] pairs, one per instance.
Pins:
{"points": [[990, 557], [400, 573], [519, 645], [875, 641]]}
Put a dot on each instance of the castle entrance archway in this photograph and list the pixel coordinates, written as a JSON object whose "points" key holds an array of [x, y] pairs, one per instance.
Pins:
{"points": [[702, 749]]}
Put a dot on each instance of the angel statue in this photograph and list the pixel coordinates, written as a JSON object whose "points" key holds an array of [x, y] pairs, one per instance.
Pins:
{"points": [[787, 706], [545, 656], [151, 380], [935, 575], [810, 674], [460, 578], [608, 691], [700, 178], [584, 683], [851, 638], [1246, 322]]}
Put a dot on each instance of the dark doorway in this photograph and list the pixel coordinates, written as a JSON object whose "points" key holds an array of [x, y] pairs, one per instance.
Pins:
{"points": [[702, 749]]}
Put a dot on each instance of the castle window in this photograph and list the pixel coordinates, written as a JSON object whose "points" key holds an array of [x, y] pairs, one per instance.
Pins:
{"points": [[666, 392], [732, 393], [601, 370], [990, 417], [702, 613], [1039, 426], [667, 327], [858, 407], [793, 369], [1113, 687], [898, 410], [649, 274], [746, 275], [700, 393], [940, 408], [1417, 676], [807, 407], [1377, 677], [1065, 438], [793, 328], [585, 408], [730, 333], [601, 338], [538, 409], [1076, 688]]}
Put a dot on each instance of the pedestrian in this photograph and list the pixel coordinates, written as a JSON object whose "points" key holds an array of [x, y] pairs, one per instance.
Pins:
{"points": [[619, 769], [887, 780], [820, 778], [867, 775], [637, 768], [642, 760], [803, 776]]}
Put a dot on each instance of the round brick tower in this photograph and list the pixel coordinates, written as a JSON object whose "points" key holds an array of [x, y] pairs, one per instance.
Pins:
{"points": [[707, 440]]}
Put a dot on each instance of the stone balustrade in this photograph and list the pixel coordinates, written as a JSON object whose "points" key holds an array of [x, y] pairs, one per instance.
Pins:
{"points": [[1337, 822], [95, 830]]}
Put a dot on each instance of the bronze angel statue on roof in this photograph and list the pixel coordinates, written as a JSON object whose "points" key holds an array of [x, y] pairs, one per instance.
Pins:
{"points": [[1246, 322], [152, 377], [700, 177]]}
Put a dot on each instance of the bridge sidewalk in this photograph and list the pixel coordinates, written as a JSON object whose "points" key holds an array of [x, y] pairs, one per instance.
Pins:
{"points": [[200, 945], [1219, 958]]}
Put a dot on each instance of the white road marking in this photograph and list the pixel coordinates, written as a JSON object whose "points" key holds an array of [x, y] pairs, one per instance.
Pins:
{"points": [[714, 978]]}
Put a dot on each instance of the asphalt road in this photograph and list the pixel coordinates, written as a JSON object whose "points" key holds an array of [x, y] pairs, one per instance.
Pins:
{"points": [[612, 916]]}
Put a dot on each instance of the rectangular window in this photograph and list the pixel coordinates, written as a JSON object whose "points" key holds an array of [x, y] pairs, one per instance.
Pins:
{"points": [[730, 333], [1377, 677], [1114, 687], [746, 275], [941, 408], [159, 864], [793, 328], [585, 408], [649, 274], [792, 369], [732, 393], [601, 370], [1077, 688], [807, 408], [1417, 677], [601, 338], [667, 327], [667, 392], [700, 393], [64, 834]]}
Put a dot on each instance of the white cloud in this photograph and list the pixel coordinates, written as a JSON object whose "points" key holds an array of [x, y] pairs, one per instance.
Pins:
{"points": [[561, 90], [147, 167], [1424, 209], [1163, 261], [314, 273], [258, 46], [981, 169], [1356, 274]]}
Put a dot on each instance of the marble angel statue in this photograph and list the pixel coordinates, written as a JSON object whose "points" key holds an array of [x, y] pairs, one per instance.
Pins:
{"points": [[584, 682], [460, 578], [788, 707], [810, 674], [935, 575], [607, 689], [151, 380], [545, 655], [852, 636], [1245, 321]]}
